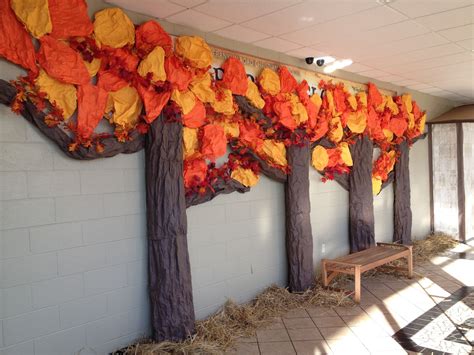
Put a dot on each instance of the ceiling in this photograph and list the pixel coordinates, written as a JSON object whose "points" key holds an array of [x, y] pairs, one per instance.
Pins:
{"points": [[425, 45]]}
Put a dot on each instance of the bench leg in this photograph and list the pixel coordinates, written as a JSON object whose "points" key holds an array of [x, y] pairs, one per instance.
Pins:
{"points": [[410, 262], [325, 274], [357, 284]]}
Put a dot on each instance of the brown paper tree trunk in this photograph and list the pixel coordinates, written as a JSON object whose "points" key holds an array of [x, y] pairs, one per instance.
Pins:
{"points": [[299, 238], [361, 200], [170, 286], [402, 210]]}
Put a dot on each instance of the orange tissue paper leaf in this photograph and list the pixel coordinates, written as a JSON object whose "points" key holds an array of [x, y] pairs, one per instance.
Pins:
{"points": [[153, 101], [398, 126], [374, 98], [110, 82], [177, 74], [62, 62], [69, 19], [340, 99], [283, 111], [213, 142], [250, 135], [195, 172], [16, 45], [288, 83], [373, 125], [91, 107], [149, 35], [234, 77], [196, 117]]}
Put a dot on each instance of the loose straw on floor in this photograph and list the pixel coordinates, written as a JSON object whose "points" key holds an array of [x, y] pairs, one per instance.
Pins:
{"points": [[220, 331]]}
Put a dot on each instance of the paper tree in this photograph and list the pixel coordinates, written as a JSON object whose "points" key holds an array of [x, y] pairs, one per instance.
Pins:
{"points": [[102, 88]]}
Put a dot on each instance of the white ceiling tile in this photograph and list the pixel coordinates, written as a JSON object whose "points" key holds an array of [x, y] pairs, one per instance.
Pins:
{"points": [[427, 7], [374, 73], [238, 11], [405, 82], [437, 62], [406, 45], [370, 19], [305, 15], [391, 78], [421, 59], [419, 86], [458, 33], [189, 3], [468, 44], [306, 37], [198, 20], [454, 18], [461, 72], [306, 52], [160, 9], [456, 84], [431, 90], [357, 68], [242, 34], [431, 52], [395, 32], [277, 44]]}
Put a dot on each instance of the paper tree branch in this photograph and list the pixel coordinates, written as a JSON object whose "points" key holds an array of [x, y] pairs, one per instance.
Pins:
{"points": [[112, 147], [219, 187]]}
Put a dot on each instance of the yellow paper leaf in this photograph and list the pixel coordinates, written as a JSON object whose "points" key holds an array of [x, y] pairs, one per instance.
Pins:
{"points": [[245, 176], [254, 95], [320, 158], [154, 63], [185, 100], [269, 81], [113, 28], [274, 151], [62, 94], [34, 14]]}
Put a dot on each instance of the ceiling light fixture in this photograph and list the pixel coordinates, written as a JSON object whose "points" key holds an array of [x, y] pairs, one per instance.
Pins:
{"points": [[338, 64]]}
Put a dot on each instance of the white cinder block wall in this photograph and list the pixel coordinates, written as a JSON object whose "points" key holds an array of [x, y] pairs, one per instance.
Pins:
{"points": [[73, 267], [73, 244]]}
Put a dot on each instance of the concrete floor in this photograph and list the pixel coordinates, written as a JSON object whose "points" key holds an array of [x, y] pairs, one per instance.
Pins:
{"points": [[430, 314]]}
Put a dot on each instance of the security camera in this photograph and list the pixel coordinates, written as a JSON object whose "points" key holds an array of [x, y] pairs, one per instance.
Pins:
{"points": [[320, 62]]}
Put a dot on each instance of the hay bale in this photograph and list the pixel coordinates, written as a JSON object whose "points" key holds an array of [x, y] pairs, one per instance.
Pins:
{"points": [[219, 332]]}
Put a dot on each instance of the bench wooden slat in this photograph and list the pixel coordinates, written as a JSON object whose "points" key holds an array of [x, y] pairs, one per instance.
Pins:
{"points": [[369, 255], [365, 260]]}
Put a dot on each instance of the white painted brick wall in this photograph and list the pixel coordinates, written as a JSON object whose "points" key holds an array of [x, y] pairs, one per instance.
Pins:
{"points": [[73, 243]]}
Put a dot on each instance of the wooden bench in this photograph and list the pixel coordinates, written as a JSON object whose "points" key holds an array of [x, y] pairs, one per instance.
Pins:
{"points": [[357, 263]]}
